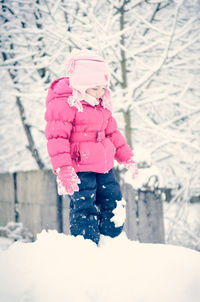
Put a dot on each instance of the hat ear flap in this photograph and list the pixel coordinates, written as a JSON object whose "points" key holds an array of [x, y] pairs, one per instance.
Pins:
{"points": [[70, 65], [76, 98], [106, 102]]}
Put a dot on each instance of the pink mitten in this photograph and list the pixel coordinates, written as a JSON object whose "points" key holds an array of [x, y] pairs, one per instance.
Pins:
{"points": [[132, 166], [67, 180]]}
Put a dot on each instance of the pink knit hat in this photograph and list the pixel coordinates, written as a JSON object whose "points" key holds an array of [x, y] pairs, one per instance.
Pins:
{"points": [[86, 70]]}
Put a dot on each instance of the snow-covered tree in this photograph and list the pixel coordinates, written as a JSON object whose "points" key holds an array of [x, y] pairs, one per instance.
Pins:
{"points": [[152, 50]]}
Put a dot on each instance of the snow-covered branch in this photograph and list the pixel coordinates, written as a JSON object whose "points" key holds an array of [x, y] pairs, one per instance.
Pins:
{"points": [[158, 47]]}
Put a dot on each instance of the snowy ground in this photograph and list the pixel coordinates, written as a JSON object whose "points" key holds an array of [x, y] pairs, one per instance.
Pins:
{"points": [[62, 268]]}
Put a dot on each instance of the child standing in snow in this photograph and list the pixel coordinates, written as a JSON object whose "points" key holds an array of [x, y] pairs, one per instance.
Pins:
{"points": [[83, 141]]}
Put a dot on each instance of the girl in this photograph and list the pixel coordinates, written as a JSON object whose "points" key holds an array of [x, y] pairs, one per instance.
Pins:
{"points": [[83, 141]]}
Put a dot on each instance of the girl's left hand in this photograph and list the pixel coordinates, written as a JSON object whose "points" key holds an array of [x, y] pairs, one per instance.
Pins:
{"points": [[132, 166]]}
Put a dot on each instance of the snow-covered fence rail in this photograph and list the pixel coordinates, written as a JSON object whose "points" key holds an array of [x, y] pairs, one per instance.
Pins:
{"points": [[31, 198]]}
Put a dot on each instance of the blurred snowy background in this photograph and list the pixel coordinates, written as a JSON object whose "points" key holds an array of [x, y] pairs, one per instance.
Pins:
{"points": [[152, 48]]}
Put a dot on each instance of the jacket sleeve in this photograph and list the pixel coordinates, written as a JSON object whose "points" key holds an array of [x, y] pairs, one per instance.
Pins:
{"points": [[59, 117], [123, 150]]}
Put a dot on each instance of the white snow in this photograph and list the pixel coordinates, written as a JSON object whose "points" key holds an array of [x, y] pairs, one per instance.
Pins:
{"points": [[119, 213], [149, 176], [5, 243], [63, 268], [146, 178]]}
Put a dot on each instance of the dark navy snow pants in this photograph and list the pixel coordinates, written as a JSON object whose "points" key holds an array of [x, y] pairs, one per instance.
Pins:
{"points": [[91, 208]]}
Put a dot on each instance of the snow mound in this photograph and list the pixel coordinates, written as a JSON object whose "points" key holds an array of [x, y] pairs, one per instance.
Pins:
{"points": [[63, 268]]}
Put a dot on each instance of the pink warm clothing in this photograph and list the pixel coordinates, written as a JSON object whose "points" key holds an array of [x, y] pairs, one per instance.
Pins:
{"points": [[81, 62], [88, 140]]}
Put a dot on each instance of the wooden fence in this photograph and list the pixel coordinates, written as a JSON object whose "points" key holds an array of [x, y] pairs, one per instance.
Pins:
{"points": [[31, 198]]}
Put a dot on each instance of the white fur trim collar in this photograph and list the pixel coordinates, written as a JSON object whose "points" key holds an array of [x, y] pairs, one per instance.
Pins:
{"points": [[77, 96]]}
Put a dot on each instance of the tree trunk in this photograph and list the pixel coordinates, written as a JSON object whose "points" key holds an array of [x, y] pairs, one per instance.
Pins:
{"points": [[127, 113]]}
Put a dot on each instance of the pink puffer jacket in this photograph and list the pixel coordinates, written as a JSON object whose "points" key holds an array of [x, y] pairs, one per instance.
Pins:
{"points": [[88, 140]]}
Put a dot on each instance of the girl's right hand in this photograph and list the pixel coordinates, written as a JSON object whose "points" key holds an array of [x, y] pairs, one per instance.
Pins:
{"points": [[67, 180]]}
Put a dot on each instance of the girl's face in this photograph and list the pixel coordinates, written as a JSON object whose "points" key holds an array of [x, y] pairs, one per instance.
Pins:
{"points": [[97, 92]]}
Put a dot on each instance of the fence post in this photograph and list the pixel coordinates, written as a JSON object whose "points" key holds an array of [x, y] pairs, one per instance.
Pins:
{"points": [[144, 214], [65, 213], [130, 226], [151, 221], [37, 200], [7, 199]]}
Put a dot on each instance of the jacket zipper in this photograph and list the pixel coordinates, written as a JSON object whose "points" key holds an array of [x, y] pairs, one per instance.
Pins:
{"points": [[105, 157]]}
